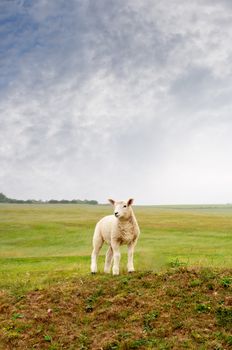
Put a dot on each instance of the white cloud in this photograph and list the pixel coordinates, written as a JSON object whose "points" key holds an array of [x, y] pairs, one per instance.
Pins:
{"points": [[104, 98]]}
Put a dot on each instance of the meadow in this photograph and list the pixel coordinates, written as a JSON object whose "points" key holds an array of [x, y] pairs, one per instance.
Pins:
{"points": [[40, 244], [43, 243], [179, 298]]}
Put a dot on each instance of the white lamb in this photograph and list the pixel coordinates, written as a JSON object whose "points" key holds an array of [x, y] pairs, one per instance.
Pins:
{"points": [[115, 230]]}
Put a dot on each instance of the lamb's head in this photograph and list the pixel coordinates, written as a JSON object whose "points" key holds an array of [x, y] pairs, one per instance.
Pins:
{"points": [[122, 210]]}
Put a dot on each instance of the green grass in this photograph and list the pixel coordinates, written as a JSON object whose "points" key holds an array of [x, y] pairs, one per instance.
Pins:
{"points": [[41, 244], [48, 299]]}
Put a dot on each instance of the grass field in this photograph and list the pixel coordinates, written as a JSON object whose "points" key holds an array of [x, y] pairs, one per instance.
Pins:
{"points": [[181, 298], [43, 243]]}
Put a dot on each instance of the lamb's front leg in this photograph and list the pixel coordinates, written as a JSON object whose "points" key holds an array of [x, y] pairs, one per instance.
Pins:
{"points": [[130, 264], [116, 257]]}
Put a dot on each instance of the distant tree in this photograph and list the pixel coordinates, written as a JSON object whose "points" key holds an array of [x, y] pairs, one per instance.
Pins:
{"points": [[3, 198], [64, 201], [93, 202]]}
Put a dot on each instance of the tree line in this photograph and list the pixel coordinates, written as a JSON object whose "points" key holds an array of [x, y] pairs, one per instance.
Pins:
{"points": [[5, 199]]}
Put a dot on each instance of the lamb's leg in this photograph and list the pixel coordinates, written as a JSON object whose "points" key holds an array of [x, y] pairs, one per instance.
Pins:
{"points": [[108, 260], [130, 264], [117, 256], [97, 244]]}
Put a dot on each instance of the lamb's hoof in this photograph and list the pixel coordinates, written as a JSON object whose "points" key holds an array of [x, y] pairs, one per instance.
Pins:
{"points": [[93, 273], [132, 271]]}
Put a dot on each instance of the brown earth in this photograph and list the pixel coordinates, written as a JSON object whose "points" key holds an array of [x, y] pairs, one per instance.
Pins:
{"points": [[180, 309]]}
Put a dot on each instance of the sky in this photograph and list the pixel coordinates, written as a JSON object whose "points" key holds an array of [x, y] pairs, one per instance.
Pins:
{"points": [[116, 99]]}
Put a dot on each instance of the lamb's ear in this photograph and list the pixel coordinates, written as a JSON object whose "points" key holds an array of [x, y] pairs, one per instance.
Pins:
{"points": [[130, 201], [111, 201]]}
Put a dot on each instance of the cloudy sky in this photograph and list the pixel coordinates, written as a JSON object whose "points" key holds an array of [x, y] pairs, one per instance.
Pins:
{"points": [[116, 98]]}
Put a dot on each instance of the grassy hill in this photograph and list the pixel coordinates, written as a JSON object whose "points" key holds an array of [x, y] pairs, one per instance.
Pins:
{"points": [[179, 309]]}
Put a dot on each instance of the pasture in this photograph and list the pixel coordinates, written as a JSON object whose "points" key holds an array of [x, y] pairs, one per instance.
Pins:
{"points": [[41, 244], [180, 298]]}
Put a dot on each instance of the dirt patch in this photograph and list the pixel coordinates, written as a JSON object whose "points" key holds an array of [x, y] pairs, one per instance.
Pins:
{"points": [[179, 309]]}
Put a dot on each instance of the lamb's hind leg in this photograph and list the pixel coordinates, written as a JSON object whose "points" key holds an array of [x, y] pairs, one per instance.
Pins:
{"points": [[130, 264], [97, 244], [108, 260]]}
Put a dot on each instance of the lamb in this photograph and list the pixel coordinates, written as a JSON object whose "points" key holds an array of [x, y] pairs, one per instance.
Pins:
{"points": [[115, 230]]}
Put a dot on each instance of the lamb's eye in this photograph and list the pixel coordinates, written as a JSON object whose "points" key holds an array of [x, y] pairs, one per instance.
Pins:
{"points": [[124, 206]]}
